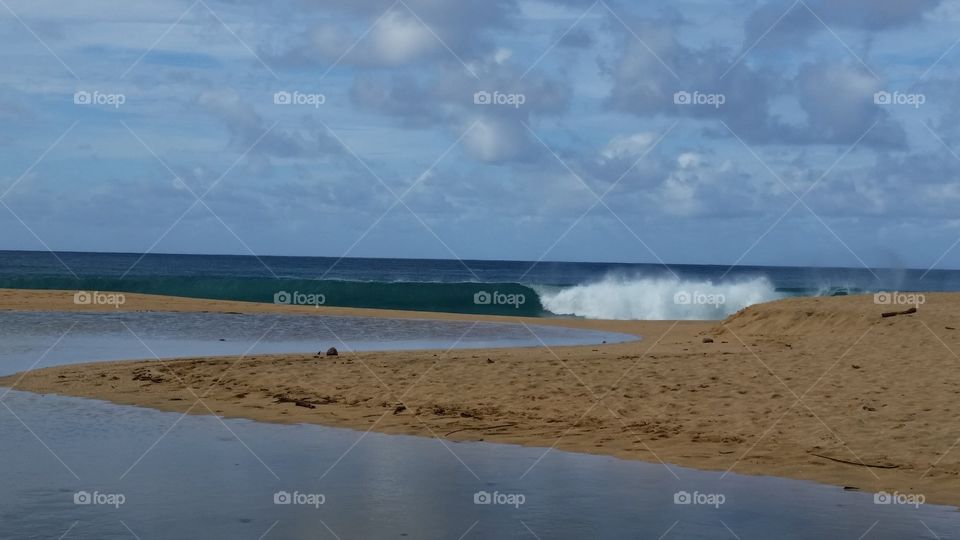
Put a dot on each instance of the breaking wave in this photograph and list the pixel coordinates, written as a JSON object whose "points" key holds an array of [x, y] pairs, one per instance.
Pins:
{"points": [[657, 298]]}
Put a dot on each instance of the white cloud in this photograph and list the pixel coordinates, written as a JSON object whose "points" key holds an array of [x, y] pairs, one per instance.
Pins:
{"points": [[495, 139], [628, 146], [400, 37]]}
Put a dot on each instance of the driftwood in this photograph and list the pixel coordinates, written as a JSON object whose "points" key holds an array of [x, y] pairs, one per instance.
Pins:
{"points": [[297, 402], [895, 313], [303, 402], [478, 428], [857, 463]]}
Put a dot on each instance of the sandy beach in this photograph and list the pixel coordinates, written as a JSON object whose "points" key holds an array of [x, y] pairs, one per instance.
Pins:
{"points": [[821, 389]]}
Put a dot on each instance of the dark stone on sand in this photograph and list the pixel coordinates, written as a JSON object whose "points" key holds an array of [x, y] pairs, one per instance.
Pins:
{"points": [[305, 403], [708, 340], [895, 313], [399, 409], [489, 361], [332, 351]]}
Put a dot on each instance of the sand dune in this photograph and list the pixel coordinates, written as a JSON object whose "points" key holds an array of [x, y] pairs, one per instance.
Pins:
{"points": [[822, 389]]}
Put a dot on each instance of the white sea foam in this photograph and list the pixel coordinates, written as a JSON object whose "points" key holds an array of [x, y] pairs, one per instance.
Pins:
{"points": [[657, 298]]}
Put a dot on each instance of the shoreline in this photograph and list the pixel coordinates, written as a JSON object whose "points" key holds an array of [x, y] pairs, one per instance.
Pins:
{"points": [[875, 411]]}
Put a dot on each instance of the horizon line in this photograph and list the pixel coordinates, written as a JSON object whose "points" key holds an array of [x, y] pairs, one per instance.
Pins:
{"points": [[659, 264]]}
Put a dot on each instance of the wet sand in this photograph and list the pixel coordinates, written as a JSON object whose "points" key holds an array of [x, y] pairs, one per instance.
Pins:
{"points": [[822, 389]]}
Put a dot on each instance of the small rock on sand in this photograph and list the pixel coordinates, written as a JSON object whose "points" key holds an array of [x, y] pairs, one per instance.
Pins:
{"points": [[332, 351]]}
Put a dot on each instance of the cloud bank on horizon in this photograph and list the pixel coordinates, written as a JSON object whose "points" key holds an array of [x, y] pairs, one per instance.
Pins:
{"points": [[808, 132]]}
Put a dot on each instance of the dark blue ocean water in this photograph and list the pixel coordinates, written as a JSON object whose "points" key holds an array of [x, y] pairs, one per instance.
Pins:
{"points": [[595, 290]]}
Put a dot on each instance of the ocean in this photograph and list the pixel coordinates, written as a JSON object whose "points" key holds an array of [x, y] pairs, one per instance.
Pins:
{"points": [[538, 289]]}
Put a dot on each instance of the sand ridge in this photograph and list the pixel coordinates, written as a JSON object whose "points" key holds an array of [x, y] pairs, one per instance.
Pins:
{"points": [[821, 389]]}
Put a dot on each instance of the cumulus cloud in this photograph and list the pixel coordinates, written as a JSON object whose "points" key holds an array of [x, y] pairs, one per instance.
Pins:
{"points": [[454, 100], [777, 24], [835, 99], [250, 131], [628, 146], [377, 33], [411, 78]]}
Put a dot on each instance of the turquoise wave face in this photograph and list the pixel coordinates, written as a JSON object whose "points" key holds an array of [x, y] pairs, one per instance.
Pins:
{"points": [[475, 298]]}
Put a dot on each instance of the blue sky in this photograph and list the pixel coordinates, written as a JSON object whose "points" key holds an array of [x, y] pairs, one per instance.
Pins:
{"points": [[812, 132]]}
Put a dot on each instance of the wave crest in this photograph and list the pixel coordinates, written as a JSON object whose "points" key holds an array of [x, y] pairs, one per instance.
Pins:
{"points": [[657, 298]]}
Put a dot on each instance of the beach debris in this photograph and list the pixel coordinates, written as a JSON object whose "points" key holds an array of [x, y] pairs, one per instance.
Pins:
{"points": [[296, 401], [478, 428], [304, 402], [332, 351], [399, 408], [489, 360], [949, 328], [708, 340], [145, 374], [858, 463], [895, 313]]}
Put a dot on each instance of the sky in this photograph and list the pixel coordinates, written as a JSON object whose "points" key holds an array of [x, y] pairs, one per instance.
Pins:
{"points": [[807, 132]]}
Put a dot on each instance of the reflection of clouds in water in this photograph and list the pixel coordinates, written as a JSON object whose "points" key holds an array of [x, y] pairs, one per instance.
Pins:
{"points": [[198, 478]]}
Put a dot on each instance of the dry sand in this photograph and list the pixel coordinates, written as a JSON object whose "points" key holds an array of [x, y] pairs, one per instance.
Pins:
{"points": [[820, 389]]}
